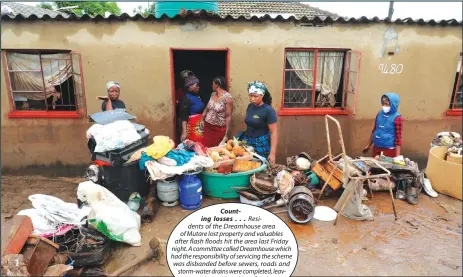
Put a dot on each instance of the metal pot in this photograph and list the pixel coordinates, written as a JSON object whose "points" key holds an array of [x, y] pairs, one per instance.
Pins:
{"points": [[258, 203]]}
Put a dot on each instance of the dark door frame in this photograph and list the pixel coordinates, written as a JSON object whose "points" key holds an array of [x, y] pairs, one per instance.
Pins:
{"points": [[172, 76]]}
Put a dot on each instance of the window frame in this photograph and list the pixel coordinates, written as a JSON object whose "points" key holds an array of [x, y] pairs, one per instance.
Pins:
{"points": [[456, 111], [321, 111], [81, 112]]}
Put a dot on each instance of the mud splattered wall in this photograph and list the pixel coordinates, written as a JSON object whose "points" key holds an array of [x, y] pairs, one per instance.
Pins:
{"points": [[137, 55]]}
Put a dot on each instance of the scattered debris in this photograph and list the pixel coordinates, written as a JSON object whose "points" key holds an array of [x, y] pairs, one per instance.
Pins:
{"points": [[38, 253], [441, 218], [14, 265], [8, 216], [59, 259], [447, 264], [155, 252], [57, 270], [443, 207], [412, 223]]}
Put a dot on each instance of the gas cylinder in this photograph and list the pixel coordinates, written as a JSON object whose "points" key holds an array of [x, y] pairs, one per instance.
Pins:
{"points": [[168, 191], [191, 197]]}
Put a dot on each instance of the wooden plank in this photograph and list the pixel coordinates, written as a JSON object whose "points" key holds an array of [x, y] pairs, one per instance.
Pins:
{"points": [[34, 239], [15, 234], [337, 172], [38, 255], [324, 174]]}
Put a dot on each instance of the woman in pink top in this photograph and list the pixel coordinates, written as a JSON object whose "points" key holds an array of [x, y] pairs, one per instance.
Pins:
{"points": [[217, 114]]}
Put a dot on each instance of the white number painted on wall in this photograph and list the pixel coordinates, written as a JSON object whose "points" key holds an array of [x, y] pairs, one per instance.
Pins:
{"points": [[391, 69]]}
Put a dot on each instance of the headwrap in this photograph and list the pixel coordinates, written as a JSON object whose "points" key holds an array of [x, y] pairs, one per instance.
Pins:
{"points": [[185, 73], [112, 84], [191, 80], [257, 87]]}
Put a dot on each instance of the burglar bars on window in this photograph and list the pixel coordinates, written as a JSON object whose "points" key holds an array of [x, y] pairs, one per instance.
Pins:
{"points": [[42, 81], [313, 79]]}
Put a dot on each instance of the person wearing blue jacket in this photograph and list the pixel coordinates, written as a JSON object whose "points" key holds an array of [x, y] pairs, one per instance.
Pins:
{"points": [[386, 136]]}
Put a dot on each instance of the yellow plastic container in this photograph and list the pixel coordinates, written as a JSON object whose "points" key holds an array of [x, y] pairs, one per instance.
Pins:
{"points": [[445, 176]]}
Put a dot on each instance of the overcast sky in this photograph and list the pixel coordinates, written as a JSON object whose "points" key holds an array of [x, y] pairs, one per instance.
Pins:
{"points": [[415, 10]]}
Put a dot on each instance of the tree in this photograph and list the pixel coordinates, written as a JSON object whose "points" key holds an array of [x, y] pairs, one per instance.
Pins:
{"points": [[45, 5], [90, 8], [143, 11]]}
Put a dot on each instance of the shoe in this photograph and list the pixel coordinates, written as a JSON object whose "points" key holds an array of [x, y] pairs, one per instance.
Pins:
{"points": [[400, 193], [427, 187], [412, 195]]}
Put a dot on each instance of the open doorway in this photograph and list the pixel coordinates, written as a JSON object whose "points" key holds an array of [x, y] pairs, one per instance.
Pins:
{"points": [[206, 64]]}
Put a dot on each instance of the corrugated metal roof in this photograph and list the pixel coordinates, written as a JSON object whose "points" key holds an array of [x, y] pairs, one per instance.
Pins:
{"points": [[314, 20], [27, 10], [247, 9]]}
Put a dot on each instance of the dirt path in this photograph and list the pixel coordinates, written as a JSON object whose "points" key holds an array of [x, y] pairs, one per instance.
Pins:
{"points": [[16, 190], [425, 240]]}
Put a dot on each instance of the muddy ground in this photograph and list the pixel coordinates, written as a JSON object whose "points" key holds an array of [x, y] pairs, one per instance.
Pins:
{"points": [[425, 240]]}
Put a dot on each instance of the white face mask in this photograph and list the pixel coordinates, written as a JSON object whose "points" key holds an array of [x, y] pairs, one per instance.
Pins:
{"points": [[386, 109]]}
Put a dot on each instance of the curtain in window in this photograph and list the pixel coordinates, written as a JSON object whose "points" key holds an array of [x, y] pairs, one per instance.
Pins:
{"points": [[329, 70], [329, 75], [55, 72], [302, 60]]}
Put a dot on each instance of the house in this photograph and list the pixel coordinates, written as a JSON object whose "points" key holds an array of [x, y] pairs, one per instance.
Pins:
{"points": [[314, 63]]}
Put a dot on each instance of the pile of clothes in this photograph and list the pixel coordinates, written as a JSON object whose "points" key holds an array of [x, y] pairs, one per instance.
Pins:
{"points": [[113, 138], [163, 160], [450, 139]]}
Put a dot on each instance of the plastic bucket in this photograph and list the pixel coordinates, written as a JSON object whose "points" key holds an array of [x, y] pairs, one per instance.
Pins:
{"points": [[220, 185]]}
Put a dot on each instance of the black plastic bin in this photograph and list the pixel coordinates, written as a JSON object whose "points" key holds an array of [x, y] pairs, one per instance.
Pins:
{"points": [[124, 180], [118, 157]]}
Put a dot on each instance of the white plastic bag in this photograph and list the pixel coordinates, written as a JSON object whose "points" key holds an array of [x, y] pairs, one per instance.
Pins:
{"points": [[285, 183], [113, 136], [40, 223], [109, 215], [56, 210]]}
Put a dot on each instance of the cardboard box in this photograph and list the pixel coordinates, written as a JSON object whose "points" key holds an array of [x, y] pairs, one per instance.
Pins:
{"points": [[445, 176]]}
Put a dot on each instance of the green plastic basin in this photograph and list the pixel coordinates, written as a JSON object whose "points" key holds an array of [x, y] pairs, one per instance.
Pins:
{"points": [[220, 185]]}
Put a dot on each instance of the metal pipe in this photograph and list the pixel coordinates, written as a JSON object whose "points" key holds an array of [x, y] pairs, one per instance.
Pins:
{"points": [[391, 10]]}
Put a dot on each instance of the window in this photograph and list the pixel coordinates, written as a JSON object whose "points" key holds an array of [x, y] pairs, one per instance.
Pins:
{"points": [[317, 81], [44, 84], [456, 102]]}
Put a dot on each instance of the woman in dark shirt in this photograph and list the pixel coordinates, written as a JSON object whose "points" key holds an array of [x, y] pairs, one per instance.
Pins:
{"points": [[112, 102], [261, 122], [190, 111]]}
